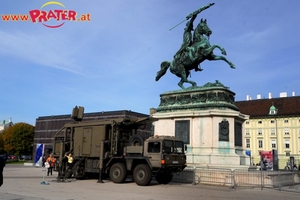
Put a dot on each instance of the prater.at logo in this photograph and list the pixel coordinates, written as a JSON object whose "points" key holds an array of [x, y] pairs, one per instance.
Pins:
{"points": [[58, 15]]}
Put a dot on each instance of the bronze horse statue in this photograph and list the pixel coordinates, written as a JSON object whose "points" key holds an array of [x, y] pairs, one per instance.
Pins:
{"points": [[190, 57]]}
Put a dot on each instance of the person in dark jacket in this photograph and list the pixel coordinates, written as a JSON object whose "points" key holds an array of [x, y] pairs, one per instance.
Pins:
{"points": [[2, 164], [5, 158]]}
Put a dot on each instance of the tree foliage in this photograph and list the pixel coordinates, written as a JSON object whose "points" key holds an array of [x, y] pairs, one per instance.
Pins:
{"points": [[1, 144], [18, 139], [7, 139]]}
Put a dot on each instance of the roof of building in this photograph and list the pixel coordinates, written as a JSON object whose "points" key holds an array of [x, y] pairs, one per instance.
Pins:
{"points": [[97, 115], [286, 106]]}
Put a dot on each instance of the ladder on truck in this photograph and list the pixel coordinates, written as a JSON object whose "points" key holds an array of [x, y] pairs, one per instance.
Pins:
{"points": [[69, 171]]}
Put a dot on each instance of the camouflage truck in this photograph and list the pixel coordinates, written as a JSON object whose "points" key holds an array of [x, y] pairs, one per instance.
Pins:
{"points": [[113, 148]]}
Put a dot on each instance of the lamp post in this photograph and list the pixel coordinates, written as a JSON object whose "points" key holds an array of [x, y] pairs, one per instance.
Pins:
{"points": [[273, 112]]}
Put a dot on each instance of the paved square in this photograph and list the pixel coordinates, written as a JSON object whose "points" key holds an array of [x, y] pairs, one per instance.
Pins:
{"points": [[24, 183]]}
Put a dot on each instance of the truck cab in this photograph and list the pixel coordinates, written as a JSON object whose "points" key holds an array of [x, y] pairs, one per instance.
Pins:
{"points": [[164, 155]]}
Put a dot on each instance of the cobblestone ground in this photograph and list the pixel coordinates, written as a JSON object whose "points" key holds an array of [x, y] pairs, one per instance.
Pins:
{"points": [[27, 183]]}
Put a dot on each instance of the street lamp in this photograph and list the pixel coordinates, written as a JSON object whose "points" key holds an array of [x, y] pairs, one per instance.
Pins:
{"points": [[273, 112]]}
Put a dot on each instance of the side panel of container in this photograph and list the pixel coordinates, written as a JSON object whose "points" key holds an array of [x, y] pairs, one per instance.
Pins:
{"points": [[87, 140]]}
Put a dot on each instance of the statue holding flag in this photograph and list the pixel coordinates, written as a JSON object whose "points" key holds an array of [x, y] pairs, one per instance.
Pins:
{"points": [[194, 50]]}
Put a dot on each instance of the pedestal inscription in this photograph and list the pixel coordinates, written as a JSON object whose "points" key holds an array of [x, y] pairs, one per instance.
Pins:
{"points": [[182, 130], [224, 131]]}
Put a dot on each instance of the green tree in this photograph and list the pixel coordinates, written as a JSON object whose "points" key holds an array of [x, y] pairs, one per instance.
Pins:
{"points": [[1, 143], [7, 140], [18, 139], [22, 138]]}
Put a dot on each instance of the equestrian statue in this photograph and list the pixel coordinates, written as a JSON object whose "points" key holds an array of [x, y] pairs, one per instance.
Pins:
{"points": [[193, 51]]}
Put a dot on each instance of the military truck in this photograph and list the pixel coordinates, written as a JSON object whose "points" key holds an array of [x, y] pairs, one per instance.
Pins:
{"points": [[112, 148]]}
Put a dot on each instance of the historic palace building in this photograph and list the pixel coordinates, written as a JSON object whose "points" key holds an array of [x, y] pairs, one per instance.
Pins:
{"points": [[274, 123]]}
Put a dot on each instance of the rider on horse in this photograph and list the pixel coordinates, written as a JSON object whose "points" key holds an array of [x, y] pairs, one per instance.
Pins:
{"points": [[189, 39], [195, 49]]}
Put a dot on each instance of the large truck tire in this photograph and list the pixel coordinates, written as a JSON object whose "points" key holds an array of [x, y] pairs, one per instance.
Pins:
{"points": [[142, 175], [162, 178], [136, 140], [118, 173]]}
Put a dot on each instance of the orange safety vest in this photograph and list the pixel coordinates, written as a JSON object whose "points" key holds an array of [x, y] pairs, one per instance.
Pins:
{"points": [[52, 162]]}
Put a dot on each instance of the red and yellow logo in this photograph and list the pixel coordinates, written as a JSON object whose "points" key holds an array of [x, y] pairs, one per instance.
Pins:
{"points": [[52, 14]]}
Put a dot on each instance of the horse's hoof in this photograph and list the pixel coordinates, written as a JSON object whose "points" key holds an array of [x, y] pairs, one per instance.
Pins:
{"points": [[232, 66], [224, 52]]}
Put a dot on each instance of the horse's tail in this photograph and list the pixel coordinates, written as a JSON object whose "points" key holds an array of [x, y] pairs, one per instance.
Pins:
{"points": [[164, 66]]}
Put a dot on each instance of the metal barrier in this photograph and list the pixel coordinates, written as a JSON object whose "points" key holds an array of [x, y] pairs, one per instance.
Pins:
{"points": [[214, 176], [187, 176], [239, 178], [245, 178]]}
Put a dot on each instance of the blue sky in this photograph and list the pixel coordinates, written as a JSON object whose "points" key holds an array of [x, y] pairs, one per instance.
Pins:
{"points": [[110, 63]]}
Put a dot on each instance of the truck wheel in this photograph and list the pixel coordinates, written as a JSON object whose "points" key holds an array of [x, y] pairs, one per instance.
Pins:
{"points": [[142, 175], [136, 140], [118, 173], [163, 178]]}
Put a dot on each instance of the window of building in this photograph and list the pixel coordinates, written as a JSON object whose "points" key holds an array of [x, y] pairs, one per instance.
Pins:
{"points": [[286, 121], [248, 133], [273, 144], [272, 121], [247, 122], [260, 122], [260, 144], [286, 131], [287, 144], [259, 131], [247, 143], [273, 131]]}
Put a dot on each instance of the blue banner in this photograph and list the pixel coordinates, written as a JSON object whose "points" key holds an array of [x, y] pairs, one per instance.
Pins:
{"points": [[39, 152]]}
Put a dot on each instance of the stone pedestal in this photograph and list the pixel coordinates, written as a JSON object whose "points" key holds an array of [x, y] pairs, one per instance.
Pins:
{"points": [[207, 120]]}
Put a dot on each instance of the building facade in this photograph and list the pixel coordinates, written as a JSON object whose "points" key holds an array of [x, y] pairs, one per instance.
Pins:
{"points": [[274, 123]]}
